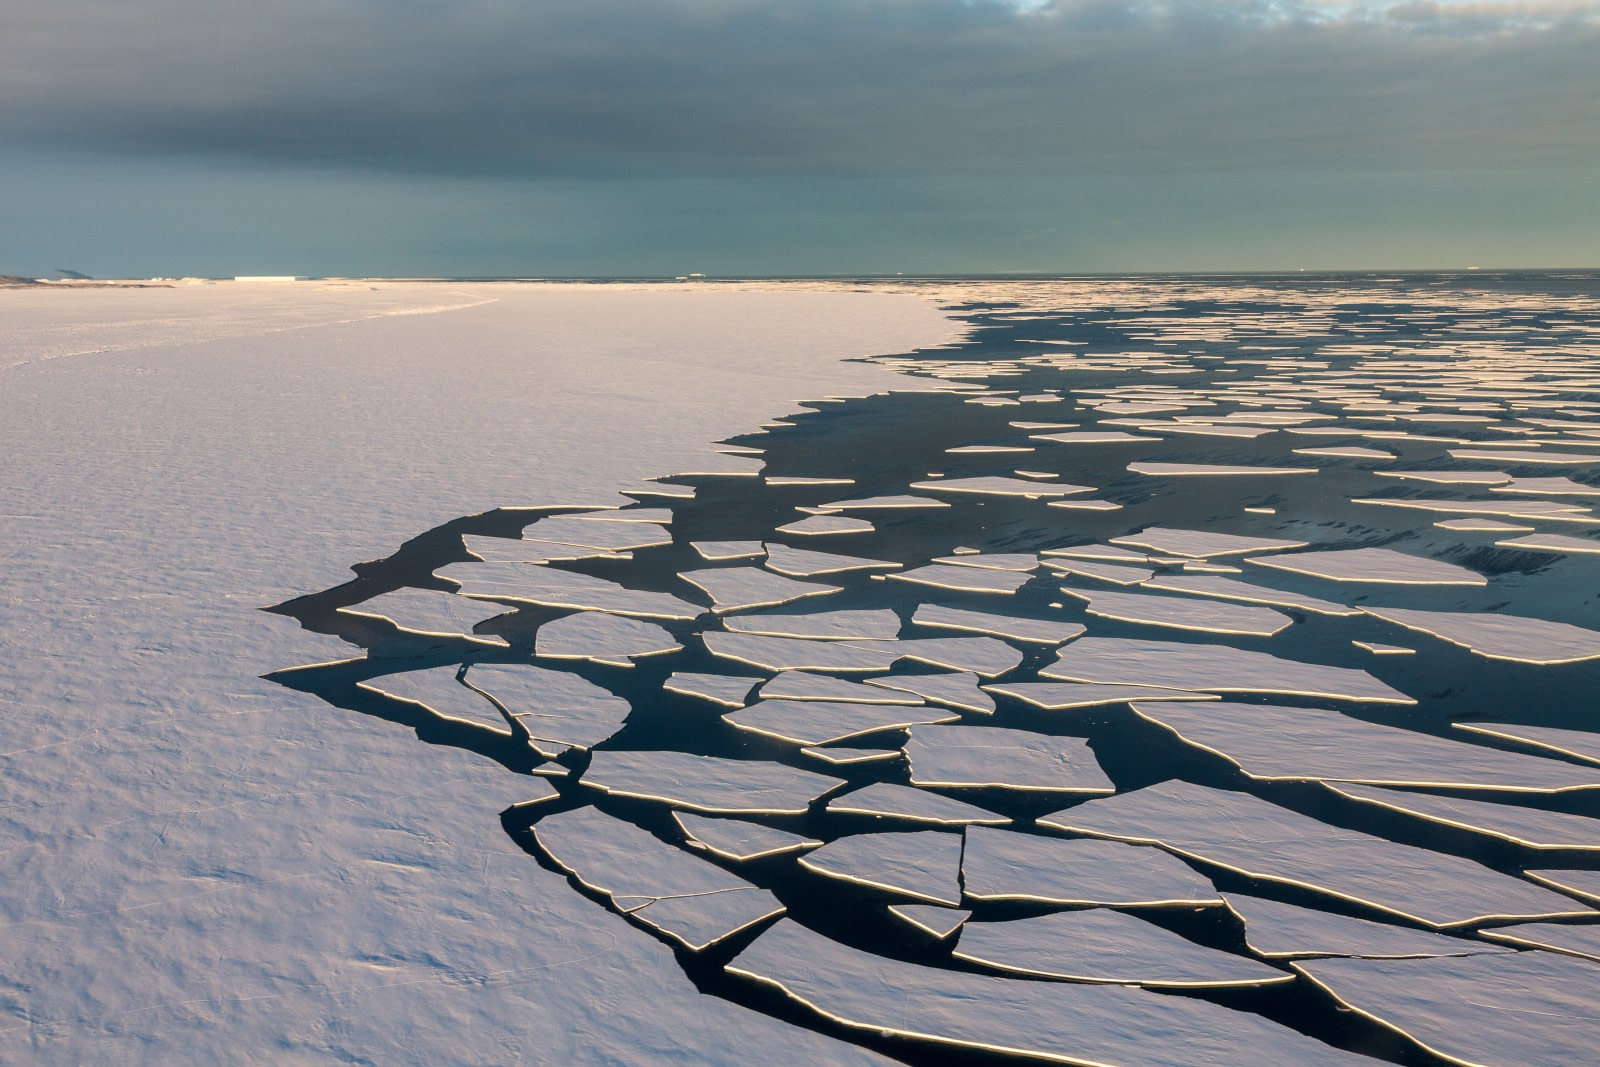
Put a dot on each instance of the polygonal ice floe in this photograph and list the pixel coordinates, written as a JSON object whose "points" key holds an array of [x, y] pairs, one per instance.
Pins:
{"points": [[603, 638], [1086, 505], [431, 613], [922, 864], [1262, 840], [1053, 1022], [1523, 458], [849, 757], [735, 839], [1202, 544], [743, 588], [1060, 696], [552, 705], [612, 536], [1103, 553], [1547, 487], [1006, 865], [707, 783], [551, 588], [1346, 451], [1481, 526], [796, 654], [1380, 649], [803, 685], [1526, 1008], [862, 625], [1034, 631], [884, 503], [1528, 827], [1383, 565], [512, 550], [1100, 945], [1092, 437], [1283, 931], [821, 525], [1585, 884], [992, 757], [1233, 589], [1211, 668], [913, 805], [995, 561], [803, 563], [1530, 509], [694, 902], [931, 919], [773, 479], [1174, 470], [979, 655], [959, 690], [1556, 937], [1508, 637], [1579, 744], [1115, 573], [999, 485], [723, 550], [1450, 477], [1272, 743], [659, 516], [820, 722], [718, 688], [1183, 613], [438, 690], [1547, 542], [965, 579]]}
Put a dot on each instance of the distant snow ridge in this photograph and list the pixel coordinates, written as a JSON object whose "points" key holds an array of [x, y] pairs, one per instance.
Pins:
{"points": [[967, 779]]}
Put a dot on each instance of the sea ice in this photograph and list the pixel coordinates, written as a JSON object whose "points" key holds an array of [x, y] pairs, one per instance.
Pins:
{"points": [[438, 690], [1040, 631], [1006, 865], [1509, 637], [931, 919], [1202, 544], [792, 654], [992, 757], [717, 551], [1060, 696], [804, 563], [707, 783], [922, 864], [603, 638], [1528, 827], [888, 800], [820, 722], [735, 839], [978, 655], [743, 588], [718, 688], [1233, 589], [551, 705], [819, 525], [431, 612], [1578, 744], [965, 579], [552, 588], [959, 690], [803, 685], [1183, 613], [1383, 565], [1284, 931]]}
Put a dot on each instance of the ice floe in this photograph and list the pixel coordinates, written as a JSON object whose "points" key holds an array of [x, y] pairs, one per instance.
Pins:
{"points": [[996, 561], [804, 563], [1508, 637], [1528, 827], [820, 722], [1033, 631], [1006, 865], [1061, 696], [999, 485], [1547, 542], [1233, 589], [612, 536], [735, 839], [438, 689], [553, 706], [722, 689], [1276, 930], [743, 588], [553, 588], [978, 655], [1572, 939], [431, 613], [1183, 613], [998, 758], [1378, 565], [1115, 573], [707, 783], [879, 624], [1202, 544], [603, 638], [900, 502], [1173, 470], [958, 690], [796, 654], [512, 550], [931, 919], [922, 864], [821, 525], [1578, 744], [803, 685], [885, 799], [964, 579], [717, 551]]}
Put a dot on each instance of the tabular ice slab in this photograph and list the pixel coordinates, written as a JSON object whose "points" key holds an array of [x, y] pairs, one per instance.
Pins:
{"points": [[1481, 526], [965, 579], [804, 563], [823, 525], [1585, 884], [658, 516], [736, 839], [431, 613], [849, 757], [1032, 631], [603, 638], [438, 690], [1115, 573], [548, 587], [869, 625], [1092, 437], [1202, 544], [913, 805], [723, 689], [803, 685], [1233, 589], [1061, 696], [958, 690], [552, 705], [1100, 945], [1525, 509], [998, 485], [1272, 743], [821, 722], [1451, 477], [1183, 613], [1381, 565], [743, 588], [995, 561], [1346, 451], [1547, 542], [1262, 840], [694, 902], [1174, 470], [1211, 668], [1105, 553], [1520, 458], [922, 864], [723, 550], [1556, 937], [612, 536], [708, 783], [884, 503], [512, 550], [1280, 931], [989, 756], [1527, 1008], [796, 654], [931, 919], [1054, 1022], [778, 479], [1006, 865], [1578, 744], [1529, 827], [1509, 637], [1548, 487], [978, 655]]}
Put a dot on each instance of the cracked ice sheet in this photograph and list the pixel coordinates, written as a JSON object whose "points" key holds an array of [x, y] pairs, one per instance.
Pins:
{"points": [[964, 579], [1211, 668], [553, 588], [1183, 613], [1532, 1009], [821, 722], [1556, 937], [587, 533], [1033, 631], [707, 783], [824, 525], [1201, 544], [1507, 637], [1284, 931], [914, 805], [1272, 743], [1056, 1022], [931, 919], [431, 612], [1579, 744], [552, 705], [736, 839], [1262, 840], [1061, 696], [437, 689], [958, 690], [1006, 865], [512, 550], [1379, 565], [743, 588], [724, 689], [805, 563], [922, 864], [997, 561], [1529, 827], [594, 635], [1100, 945], [994, 757], [871, 625]]}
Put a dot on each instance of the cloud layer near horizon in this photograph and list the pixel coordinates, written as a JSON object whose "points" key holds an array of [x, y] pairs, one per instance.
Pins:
{"points": [[624, 88]]}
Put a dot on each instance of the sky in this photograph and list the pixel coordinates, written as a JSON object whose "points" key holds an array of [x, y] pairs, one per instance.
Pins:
{"points": [[795, 137]]}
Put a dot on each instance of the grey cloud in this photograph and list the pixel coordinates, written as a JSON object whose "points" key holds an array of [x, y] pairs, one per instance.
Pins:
{"points": [[620, 88]]}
